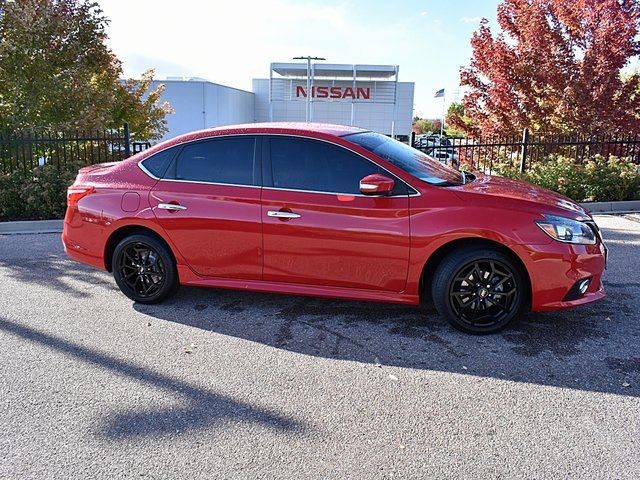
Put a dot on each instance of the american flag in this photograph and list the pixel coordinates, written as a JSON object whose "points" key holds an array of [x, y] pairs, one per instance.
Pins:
{"points": [[439, 93]]}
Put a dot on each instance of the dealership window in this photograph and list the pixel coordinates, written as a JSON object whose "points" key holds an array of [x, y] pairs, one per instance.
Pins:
{"points": [[317, 166], [223, 160]]}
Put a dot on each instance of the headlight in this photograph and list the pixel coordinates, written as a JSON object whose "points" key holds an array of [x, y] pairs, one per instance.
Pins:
{"points": [[567, 230]]}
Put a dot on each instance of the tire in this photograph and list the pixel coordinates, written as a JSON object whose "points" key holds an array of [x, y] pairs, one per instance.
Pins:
{"points": [[144, 269], [461, 295]]}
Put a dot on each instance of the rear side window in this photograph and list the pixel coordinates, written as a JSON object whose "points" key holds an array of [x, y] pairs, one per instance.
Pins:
{"points": [[220, 160], [157, 164], [302, 164]]}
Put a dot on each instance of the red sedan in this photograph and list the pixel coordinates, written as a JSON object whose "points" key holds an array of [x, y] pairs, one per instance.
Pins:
{"points": [[332, 211]]}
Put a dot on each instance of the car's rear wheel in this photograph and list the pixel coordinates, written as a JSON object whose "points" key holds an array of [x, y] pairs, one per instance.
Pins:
{"points": [[479, 290], [144, 269]]}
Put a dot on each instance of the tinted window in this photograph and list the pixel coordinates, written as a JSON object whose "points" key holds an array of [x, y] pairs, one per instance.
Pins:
{"points": [[222, 160], [409, 159], [157, 164], [317, 166]]}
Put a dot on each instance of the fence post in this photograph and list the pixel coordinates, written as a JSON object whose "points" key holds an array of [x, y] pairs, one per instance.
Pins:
{"points": [[127, 141], [523, 150]]}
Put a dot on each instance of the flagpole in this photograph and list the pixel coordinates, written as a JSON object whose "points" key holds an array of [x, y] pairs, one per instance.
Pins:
{"points": [[442, 121]]}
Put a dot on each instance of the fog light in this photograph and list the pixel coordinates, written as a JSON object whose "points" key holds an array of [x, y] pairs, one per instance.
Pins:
{"points": [[583, 285], [578, 290]]}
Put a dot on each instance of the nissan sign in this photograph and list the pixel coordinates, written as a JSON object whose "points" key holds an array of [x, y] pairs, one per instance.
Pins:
{"points": [[335, 92], [339, 91]]}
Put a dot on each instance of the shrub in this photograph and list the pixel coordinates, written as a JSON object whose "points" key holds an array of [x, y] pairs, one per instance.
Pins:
{"points": [[598, 179], [39, 195], [561, 175], [10, 198], [612, 179]]}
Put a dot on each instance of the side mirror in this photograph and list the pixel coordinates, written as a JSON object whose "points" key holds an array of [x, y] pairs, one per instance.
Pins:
{"points": [[376, 184]]}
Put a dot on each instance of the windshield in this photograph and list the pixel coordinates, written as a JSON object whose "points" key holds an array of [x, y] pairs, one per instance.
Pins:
{"points": [[408, 159]]}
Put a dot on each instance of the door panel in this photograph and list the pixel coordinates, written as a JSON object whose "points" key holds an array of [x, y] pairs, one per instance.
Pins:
{"points": [[340, 239], [337, 240], [209, 205], [219, 234]]}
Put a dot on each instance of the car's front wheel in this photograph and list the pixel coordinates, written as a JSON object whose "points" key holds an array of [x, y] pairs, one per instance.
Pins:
{"points": [[144, 269], [478, 290]]}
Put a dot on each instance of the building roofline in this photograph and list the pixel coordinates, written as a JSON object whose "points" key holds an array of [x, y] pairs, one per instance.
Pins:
{"points": [[335, 70], [175, 80]]}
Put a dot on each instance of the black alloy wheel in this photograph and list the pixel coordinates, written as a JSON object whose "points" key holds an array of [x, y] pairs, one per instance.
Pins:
{"points": [[478, 290], [144, 269], [141, 269]]}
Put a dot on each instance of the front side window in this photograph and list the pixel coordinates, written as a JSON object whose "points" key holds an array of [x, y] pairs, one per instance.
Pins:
{"points": [[409, 159], [219, 160], [316, 166]]}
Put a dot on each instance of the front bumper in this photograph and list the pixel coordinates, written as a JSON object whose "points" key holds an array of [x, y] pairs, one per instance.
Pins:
{"points": [[590, 296], [555, 267]]}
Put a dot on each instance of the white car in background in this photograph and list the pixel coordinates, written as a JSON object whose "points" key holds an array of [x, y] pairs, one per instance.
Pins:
{"points": [[444, 154], [422, 141]]}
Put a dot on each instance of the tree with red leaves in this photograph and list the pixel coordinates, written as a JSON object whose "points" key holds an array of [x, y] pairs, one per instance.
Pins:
{"points": [[556, 67]]}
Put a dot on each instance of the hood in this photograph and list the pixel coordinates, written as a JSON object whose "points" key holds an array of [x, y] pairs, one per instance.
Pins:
{"points": [[494, 188]]}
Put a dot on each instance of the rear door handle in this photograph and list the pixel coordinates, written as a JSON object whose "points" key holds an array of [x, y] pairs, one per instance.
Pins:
{"points": [[171, 206], [281, 214]]}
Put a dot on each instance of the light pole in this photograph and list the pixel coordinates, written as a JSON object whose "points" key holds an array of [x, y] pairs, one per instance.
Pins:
{"points": [[308, 59]]}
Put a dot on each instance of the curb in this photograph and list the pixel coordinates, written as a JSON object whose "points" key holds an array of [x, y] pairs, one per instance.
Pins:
{"points": [[631, 206], [30, 226], [55, 226]]}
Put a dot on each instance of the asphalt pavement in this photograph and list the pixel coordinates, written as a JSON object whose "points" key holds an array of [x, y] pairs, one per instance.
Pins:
{"points": [[225, 384]]}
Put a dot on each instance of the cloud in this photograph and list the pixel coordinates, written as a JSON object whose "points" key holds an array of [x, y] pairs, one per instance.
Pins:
{"points": [[227, 45], [230, 45], [471, 19]]}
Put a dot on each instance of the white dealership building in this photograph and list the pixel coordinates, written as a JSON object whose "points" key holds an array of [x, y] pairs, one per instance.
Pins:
{"points": [[367, 96]]}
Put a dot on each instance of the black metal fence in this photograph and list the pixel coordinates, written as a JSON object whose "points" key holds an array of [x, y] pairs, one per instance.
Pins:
{"points": [[527, 149], [28, 149]]}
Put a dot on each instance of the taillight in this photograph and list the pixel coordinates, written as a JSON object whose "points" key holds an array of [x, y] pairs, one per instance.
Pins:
{"points": [[76, 192]]}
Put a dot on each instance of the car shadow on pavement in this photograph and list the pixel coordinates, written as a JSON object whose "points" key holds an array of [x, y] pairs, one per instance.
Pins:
{"points": [[592, 348], [595, 347], [202, 407], [588, 349], [54, 272]]}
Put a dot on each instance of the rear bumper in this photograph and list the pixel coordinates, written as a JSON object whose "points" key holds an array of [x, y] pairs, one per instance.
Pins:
{"points": [[81, 254], [82, 236], [555, 267]]}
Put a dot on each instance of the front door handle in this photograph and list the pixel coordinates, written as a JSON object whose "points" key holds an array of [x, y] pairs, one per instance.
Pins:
{"points": [[282, 214], [171, 206]]}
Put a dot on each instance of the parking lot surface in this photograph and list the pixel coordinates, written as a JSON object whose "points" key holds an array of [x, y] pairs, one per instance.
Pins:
{"points": [[226, 384]]}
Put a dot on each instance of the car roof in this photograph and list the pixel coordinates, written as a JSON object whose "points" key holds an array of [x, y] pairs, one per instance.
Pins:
{"points": [[309, 129], [288, 127]]}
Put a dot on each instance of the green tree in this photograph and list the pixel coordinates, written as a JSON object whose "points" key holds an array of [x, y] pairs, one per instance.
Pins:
{"points": [[137, 105], [57, 72]]}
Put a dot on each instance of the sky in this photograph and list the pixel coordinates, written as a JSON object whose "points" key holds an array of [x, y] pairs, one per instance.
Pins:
{"points": [[233, 42]]}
